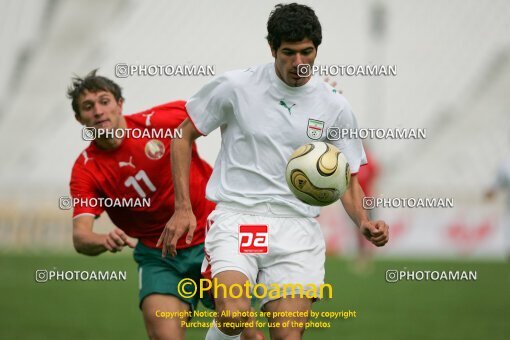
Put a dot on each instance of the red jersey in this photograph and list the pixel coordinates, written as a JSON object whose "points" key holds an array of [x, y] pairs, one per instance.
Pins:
{"points": [[367, 175], [140, 168]]}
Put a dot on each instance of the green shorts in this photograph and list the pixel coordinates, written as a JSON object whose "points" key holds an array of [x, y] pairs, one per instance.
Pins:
{"points": [[161, 276]]}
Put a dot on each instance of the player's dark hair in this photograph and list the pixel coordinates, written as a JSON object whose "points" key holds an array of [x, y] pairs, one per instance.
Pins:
{"points": [[293, 22], [91, 83]]}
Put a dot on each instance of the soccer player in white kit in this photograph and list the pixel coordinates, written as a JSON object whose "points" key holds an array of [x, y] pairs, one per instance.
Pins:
{"points": [[265, 113]]}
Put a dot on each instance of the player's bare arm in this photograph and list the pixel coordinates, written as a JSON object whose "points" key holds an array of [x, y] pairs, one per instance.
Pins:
{"points": [[87, 242], [376, 232], [183, 220]]}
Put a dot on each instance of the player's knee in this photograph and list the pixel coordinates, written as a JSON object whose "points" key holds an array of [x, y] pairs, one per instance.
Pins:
{"points": [[233, 312], [286, 333], [159, 327], [252, 333], [169, 329], [235, 317]]}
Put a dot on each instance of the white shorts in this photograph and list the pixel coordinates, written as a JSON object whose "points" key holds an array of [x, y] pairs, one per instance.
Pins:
{"points": [[294, 252]]}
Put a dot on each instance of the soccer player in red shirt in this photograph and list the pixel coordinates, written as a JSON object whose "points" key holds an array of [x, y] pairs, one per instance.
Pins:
{"points": [[124, 168]]}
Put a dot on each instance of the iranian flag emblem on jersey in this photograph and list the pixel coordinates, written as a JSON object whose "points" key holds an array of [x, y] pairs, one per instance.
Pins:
{"points": [[315, 127]]}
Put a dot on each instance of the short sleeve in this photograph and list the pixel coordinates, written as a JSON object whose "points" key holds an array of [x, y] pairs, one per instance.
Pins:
{"points": [[352, 148], [169, 115], [210, 107], [83, 190]]}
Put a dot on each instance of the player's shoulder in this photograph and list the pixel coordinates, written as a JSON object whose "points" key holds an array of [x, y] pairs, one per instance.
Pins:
{"points": [[177, 107], [174, 110], [170, 106], [246, 75], [332, 96], [86, 159]]}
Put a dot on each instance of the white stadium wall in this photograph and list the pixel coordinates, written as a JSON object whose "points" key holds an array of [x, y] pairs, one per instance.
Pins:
{"points": [[452, 77], [466, 231]]}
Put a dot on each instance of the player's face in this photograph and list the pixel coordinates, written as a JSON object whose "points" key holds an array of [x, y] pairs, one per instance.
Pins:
{"points": [[99, 110], [291, 54]]}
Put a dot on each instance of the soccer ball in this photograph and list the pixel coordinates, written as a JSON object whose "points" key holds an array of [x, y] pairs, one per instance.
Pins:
{"points": [[318, 173]]}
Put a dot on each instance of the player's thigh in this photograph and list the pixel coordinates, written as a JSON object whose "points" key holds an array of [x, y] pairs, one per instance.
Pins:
{"points": [[159, 288], [162, 276], [222, 244], [295, 260], [229, 268], [291, 327], [156, 310]]}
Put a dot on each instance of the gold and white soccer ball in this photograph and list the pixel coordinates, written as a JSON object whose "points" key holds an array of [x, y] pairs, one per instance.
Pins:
{"points": [[318, 173]]}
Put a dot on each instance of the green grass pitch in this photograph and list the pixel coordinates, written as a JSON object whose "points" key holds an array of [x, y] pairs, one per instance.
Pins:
{"points": [[405, 310]]}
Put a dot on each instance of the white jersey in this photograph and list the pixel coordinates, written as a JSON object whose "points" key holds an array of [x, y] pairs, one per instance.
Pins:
{"points": [[262, 122]]}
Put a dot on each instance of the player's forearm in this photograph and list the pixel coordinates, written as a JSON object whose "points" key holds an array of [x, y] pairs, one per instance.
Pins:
{"points": [[89, 243], [352, 201], [181, 161]]}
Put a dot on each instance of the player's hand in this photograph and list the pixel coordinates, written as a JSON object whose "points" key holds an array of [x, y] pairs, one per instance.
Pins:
{"points": [[116, 240], [182, 221], [376, 232]]}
